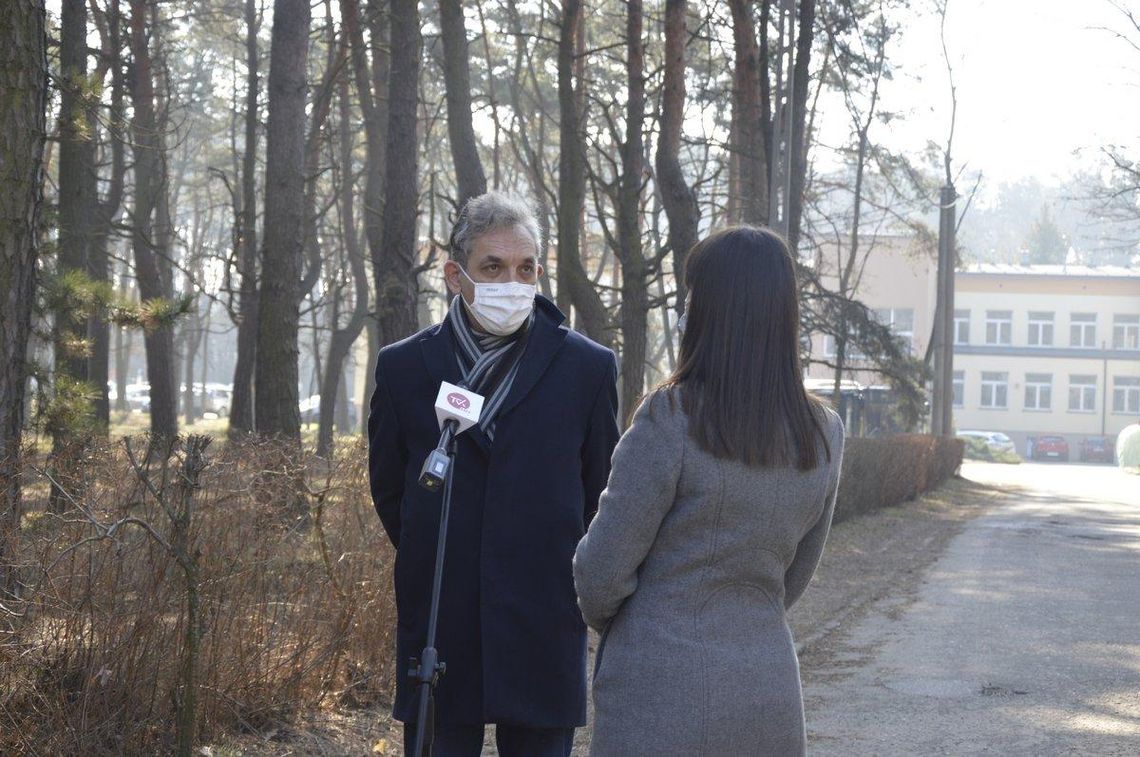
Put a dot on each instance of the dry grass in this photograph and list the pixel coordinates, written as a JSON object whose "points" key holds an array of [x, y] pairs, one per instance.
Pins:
{"points": [[277, 556]]}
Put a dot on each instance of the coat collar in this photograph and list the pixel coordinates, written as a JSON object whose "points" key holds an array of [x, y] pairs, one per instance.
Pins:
{"points": [[545, 340]]}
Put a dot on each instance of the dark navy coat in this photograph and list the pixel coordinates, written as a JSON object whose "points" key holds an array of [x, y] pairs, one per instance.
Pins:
{"points": [[510, 631]]}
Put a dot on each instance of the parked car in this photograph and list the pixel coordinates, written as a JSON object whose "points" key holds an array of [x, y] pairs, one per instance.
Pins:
{"points": [[1096, 449], [1051, 448], [995, 440]]}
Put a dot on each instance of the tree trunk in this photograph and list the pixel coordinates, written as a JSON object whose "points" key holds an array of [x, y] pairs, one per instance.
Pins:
{"points": [[23, 127], [798, 182], [343, 339], [275, 374], [457, 79], [591, 310], [751, 203], [396, 285], [98, 259], [77, 189], [241, 405], [159, 340], [679, 199], [634, 287], [372, 93]]}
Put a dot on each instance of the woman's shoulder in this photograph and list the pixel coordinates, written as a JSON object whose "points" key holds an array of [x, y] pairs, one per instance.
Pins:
{"points": [[832, 426], [661, 408]]}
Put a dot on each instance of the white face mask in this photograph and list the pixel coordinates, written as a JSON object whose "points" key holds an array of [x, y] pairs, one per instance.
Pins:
{"points": [[501, 309]]}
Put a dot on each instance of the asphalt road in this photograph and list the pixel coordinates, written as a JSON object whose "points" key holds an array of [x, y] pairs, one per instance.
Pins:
{"points": [[1022, 639]]}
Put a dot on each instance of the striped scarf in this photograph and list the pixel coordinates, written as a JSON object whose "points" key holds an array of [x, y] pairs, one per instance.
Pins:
{"points": [[479, 356]]}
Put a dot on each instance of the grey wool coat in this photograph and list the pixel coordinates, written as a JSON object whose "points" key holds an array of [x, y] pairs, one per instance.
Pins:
{"points": [[687, 571]]}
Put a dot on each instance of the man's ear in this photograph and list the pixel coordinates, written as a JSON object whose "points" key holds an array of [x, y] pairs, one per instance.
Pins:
{"points": [[451, 276], [539, 271]]}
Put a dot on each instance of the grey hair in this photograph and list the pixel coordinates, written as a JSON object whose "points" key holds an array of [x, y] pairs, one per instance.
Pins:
{"points": [[488, 212]]}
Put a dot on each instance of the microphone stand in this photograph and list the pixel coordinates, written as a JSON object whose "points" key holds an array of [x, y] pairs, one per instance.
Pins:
{"points": [[425, 671]]}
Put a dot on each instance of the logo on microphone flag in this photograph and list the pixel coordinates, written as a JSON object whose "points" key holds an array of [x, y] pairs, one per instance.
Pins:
{"points": [[458, 404]]}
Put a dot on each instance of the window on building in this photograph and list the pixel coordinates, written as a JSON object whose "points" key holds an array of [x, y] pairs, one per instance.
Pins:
{"points": [[959, 388], [1126, 332], [901, 322], [1082, 330], [1040, 329], [1082, 394], [995, 389], [1126, 395], [999, 326], [961, 327], [1038, 391]]}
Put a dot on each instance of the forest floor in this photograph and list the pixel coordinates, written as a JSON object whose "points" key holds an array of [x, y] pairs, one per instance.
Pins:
{"points": [[868, 558]]}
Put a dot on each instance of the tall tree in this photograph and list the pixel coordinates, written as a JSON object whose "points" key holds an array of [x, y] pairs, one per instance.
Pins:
{"points": [[241, 408], [587, 302], [748, 201], [276, 370], [469, 174], [634, 269], [23, 127], [396, 277], [678, 198], [107, 209], [1046, 242], [151, 269], [344, 336], [77, 187], [800, 138]]}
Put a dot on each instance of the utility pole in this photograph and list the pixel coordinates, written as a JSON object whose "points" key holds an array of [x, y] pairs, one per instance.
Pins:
{"points": [[942, 401]]}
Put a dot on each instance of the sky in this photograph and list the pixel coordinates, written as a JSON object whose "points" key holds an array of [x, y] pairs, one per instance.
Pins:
{"points": [[1040, 88]]}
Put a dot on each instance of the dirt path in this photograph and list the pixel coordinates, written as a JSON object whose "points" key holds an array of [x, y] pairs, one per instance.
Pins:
{"points": [[869, 559]]}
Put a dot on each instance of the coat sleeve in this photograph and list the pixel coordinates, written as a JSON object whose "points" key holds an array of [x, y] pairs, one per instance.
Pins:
{"points": [[387, 456], [601, 436], [810, 549], [641, 490]]}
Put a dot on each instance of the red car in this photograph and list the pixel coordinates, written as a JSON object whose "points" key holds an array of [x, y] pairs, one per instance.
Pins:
{"points": [[1096, 449], [1051, 448]]}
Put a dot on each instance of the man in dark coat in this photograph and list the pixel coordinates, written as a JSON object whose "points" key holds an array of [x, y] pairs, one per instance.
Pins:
{"points": [[526, 484]]}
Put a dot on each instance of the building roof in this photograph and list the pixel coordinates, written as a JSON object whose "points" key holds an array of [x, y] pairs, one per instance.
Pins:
{"points": [[1011, 269]]}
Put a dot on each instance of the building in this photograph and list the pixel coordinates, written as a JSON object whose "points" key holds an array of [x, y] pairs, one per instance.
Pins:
{"points": [[1047, 350], [1038, 349]]}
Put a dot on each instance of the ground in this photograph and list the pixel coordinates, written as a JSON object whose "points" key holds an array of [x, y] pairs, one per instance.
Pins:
{"points": [[1023, 637]]}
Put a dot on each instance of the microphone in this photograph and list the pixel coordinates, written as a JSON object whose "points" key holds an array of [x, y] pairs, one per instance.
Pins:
{"points": [[457, 409]]}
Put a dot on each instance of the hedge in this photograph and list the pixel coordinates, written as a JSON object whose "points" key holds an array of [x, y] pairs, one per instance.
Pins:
{"points": [[888, 471]]}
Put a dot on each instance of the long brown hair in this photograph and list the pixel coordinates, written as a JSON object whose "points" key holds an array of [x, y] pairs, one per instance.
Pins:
{"points": [[739, 371]]}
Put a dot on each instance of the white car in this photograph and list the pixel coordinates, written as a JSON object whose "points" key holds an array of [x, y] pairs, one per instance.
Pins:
{"points": [[995, 440]]}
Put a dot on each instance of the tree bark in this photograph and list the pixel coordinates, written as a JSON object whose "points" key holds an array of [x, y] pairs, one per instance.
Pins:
{"points": [[679, 199], [592, 315], [276, 370], [153, 286], [396, 285], [634, 287], [750, 205], [469, 174], [241, 407], [23, 127]]}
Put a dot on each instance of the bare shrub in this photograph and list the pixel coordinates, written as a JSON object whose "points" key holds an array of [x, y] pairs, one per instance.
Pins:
{"points": [[888, 471], [292, 613]]}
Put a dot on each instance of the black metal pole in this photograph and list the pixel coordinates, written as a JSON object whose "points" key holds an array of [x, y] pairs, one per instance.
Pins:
{"points": [[426, 671]]}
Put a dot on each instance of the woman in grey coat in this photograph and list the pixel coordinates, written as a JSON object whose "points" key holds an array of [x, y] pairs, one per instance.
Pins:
{"points": [[714, 519]]}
